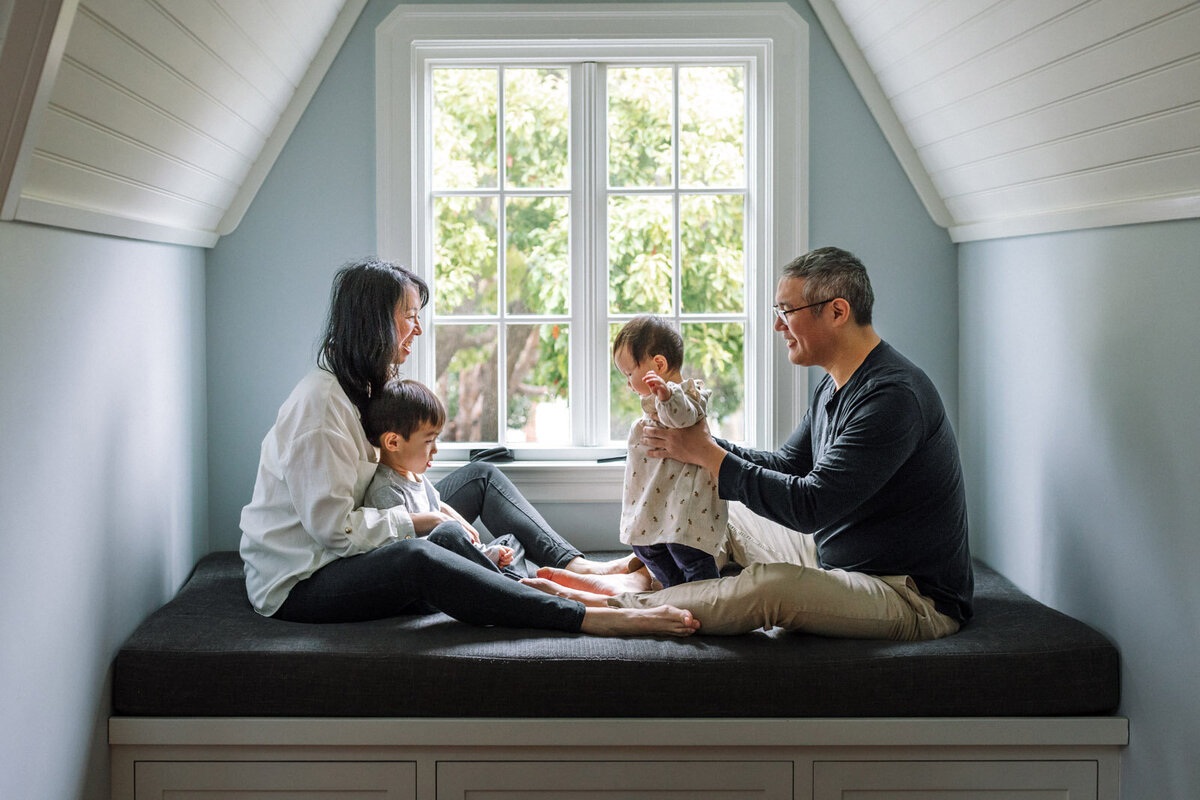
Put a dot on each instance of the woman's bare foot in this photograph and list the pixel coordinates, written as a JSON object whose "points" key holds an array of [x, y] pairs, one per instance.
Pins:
{"points": [[639, 581], [618, 566], [659, 621], [589, 599]]}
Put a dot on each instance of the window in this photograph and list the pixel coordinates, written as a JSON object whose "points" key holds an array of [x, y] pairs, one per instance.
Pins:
{"points": [[551, 188]]}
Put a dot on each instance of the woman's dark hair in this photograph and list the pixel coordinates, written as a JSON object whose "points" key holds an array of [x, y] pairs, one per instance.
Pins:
{"points": [[360, 335], [402, 406], [647, 336]]}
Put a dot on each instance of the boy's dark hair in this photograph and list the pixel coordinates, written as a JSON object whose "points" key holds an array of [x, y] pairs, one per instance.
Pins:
{"points": [[646, 336], [401, 407]]}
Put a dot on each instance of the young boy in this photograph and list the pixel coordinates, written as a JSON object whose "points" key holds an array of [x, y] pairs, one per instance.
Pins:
{"points": [[671, 513], [404, 422]]}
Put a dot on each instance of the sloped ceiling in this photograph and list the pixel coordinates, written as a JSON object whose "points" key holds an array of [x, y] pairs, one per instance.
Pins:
{"points": [[1026, 116], [158, 119]]}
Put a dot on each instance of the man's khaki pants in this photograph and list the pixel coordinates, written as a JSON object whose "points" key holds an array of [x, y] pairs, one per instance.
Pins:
{"points": [[782, 586]]}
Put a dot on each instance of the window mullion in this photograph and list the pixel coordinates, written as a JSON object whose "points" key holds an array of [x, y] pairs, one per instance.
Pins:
{"points": [[578, 382], [589, 377], [676, 205], [501, 266]]}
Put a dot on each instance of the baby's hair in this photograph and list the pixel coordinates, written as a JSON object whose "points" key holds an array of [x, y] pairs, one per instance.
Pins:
{"points": [[647, 336], [402, 407]]}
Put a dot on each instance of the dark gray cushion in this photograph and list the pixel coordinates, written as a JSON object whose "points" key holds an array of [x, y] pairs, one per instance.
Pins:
{"points": [[207, 653]]}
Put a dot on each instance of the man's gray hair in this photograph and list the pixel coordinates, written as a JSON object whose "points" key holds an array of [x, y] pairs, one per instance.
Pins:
{"points": [[830, 272]]}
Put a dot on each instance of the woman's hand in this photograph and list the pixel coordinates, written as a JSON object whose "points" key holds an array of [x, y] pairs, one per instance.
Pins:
{"points": [[691, 445]]}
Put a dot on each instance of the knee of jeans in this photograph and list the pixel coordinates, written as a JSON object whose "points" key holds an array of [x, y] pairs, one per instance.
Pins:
{"points": [[448, 533], [414, 554], [482, 469]]}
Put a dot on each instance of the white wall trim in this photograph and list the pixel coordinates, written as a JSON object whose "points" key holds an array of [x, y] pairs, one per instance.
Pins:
{"points": [[1101, 216], [881, 108], [73, 217], [32, 50], [823, 732]]}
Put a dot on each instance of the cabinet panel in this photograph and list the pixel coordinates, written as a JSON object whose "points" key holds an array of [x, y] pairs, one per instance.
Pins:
{"points": [[954, 780], [284, 780], [615, 780]]}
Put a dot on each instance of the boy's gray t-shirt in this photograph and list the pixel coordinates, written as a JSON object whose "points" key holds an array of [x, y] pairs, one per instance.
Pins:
{"points": [[389, 488]]}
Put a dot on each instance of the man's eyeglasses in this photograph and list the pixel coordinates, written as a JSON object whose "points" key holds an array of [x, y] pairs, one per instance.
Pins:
{"points": [[782, 313]]}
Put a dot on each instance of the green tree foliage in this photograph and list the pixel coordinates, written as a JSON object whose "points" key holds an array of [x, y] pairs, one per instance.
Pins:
{"points": [[641, 233]]}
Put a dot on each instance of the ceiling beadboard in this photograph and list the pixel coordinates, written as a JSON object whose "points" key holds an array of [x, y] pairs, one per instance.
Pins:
{"points": [[165, 115], [1030, 116], [159, 119]]}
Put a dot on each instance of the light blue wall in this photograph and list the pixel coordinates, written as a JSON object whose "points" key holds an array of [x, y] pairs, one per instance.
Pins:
{"points": [[268, 281], [102, 476], [1081, 441]]}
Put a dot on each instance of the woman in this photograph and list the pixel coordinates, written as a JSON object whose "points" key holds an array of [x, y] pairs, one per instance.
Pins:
{"points": [[311, 554]]}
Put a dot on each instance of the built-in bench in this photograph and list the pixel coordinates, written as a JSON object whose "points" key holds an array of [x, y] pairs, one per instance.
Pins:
{"points": [[209, 695]]}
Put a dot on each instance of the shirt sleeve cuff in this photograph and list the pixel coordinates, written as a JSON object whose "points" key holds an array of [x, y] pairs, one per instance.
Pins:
{"points": [[729, 476]]}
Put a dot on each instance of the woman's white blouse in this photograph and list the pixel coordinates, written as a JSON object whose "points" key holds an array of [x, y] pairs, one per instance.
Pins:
{"points": [[313, 469]]}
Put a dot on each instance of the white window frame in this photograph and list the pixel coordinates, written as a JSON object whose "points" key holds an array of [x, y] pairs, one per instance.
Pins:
{"points": [[770, 38]]}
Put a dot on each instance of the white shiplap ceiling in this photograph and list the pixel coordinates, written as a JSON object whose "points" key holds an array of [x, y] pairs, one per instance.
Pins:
{"points": [[159, 119], [1026, 116]]}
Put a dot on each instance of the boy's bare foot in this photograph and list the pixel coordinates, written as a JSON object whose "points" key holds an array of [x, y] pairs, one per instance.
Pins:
{"points": [[659, 621], [589, 599], [639, 581], [618, 566]]}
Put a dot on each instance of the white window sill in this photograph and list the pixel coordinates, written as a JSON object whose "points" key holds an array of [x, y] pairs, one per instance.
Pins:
{"points": [[555, 481]]}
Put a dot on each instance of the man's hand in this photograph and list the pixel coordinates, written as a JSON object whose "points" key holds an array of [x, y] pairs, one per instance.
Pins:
{"points": [[656, 384], [692, 445]]}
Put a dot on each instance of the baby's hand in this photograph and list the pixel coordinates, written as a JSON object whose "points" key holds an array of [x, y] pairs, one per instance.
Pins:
{"points": [[498, 554], [657, 385]]}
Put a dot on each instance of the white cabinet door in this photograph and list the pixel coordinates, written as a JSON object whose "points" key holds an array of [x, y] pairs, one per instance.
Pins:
{"points": [[615, 780], [266, 780], [954, 780]]}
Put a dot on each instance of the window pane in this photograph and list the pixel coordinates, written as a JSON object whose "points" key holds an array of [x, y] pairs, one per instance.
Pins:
{"points": [[465, 269], [639, 126], [639, 255], [712, 262], [537, 259], [465, 104], [537, 384], [714, 353], [624, 405], [536, 127], [712, 128], [466, 381]]}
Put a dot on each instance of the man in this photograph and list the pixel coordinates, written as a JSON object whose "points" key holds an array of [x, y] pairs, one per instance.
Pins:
{"points": [[871, 477]]}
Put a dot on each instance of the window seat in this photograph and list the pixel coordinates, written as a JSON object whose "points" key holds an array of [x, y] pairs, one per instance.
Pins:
{"points": [[207, 680]]}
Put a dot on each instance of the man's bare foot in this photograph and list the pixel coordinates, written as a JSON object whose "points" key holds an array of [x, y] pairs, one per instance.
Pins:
{"points": [[618, 566], [639, 581], [589, 599], [659, 621]]}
